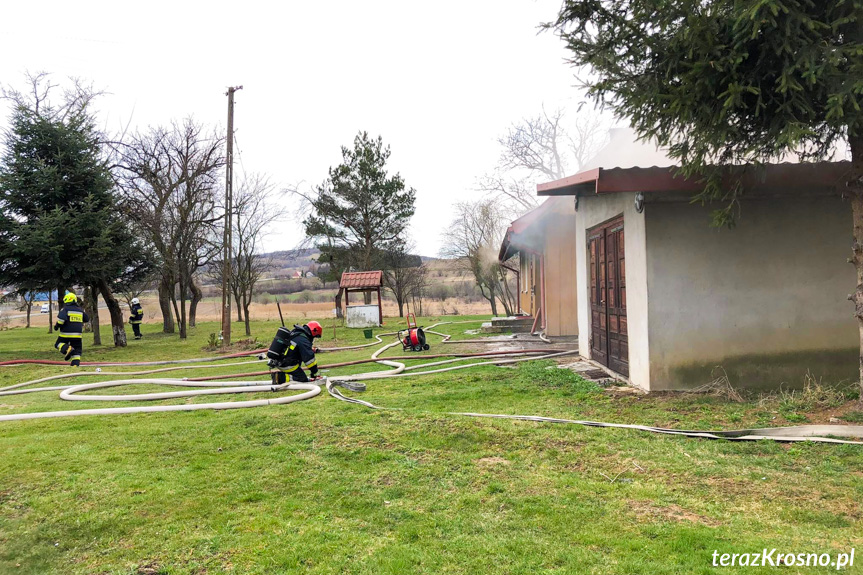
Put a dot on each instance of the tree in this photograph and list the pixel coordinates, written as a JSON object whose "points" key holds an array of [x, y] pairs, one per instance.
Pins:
{"points": [[170, 180], [473, 239], [27, 295], [403, 274], [59, 219], [723, 82], [360, 211], [256, 211], [91, 305], [546, 146]]}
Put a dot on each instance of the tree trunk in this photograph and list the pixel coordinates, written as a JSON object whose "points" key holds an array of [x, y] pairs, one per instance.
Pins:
{"points": [[197, 296], [118, 326], [29, 309], [491, 299], [401, 307], [183, 324], [856, 188], [338, 302], [176, 311], [246, 313], [94, 315], [238, 305], [165, 291], [50, 313]]}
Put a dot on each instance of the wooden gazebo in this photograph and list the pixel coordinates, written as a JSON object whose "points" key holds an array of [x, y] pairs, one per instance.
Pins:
{"points": [[363, 282]]}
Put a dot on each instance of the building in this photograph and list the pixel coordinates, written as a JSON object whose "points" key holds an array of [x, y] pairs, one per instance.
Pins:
{"points": [[544, 241], [664, 298]]}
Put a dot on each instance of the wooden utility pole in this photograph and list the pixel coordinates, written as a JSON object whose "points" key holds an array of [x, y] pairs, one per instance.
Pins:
{"points": [[229, 207]]}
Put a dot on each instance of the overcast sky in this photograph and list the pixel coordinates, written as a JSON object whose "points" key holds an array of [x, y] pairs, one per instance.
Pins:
{"points": [[438, 81]]}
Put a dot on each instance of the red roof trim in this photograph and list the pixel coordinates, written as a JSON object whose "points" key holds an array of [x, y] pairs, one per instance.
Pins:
{"points": [[584, 177], [654, 179]]}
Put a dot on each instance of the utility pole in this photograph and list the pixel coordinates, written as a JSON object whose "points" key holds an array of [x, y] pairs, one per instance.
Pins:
{"points": [[229, 207]]}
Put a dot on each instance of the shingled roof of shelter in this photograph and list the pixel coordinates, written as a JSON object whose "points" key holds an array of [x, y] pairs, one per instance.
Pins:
{"points": [[362, 280]]}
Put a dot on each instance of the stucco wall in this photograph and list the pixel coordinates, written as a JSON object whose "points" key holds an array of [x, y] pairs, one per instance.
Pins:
{"points": [[591, 212], [765, 300], [560, 263]]}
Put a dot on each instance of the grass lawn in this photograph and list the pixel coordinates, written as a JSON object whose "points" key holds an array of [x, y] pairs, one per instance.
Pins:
{"points": [[323, 486]]}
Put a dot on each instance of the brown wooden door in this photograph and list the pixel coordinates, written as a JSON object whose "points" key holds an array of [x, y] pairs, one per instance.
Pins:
{"points": [[609, 344]]}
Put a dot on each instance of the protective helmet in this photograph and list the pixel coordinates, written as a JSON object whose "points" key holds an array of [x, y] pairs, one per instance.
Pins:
{"points": [[135, 301], [70, 298], [315, 328]]}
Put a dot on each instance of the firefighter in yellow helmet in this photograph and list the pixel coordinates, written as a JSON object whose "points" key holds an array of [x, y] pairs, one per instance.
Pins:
{"points": [[70, 323]]}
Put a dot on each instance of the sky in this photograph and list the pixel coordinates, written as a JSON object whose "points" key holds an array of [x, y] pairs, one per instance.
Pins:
{"points": [[440, 82]]}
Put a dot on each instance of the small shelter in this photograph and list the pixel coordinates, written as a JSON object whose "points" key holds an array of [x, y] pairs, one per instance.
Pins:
{"points": [[361, 314]]}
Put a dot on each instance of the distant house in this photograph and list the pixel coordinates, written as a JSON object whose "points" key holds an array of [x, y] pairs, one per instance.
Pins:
{"points": [[663, 298], [297, 275]]}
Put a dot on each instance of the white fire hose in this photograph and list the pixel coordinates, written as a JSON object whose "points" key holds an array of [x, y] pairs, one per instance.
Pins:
{"points": [[818, 433]]}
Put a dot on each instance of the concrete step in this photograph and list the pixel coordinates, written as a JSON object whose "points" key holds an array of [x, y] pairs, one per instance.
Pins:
{"points": [[528, 321], [489, 328]]}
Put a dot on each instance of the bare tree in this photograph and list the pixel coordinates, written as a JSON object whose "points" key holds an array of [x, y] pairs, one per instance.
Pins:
{"points": [[403, 273], [419, 288], [472, 240], [544, 147], [131, 290], [27, 295], [256, 210], [170, 178]]}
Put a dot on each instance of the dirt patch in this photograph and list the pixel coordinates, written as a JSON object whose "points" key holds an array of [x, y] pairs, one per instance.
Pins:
{"points": [[825, 415], [150, 568], [649, 511], [623, 391]]}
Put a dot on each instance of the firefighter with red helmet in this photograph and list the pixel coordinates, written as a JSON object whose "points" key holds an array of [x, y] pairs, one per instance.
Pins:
{"points": [[293, 350]]}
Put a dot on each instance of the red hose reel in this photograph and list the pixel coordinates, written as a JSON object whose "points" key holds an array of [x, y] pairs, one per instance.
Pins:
{"points": [[413, 338]]}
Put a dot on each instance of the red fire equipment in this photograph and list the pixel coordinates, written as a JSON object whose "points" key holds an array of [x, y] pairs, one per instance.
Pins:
{"points": [[413, 338]]}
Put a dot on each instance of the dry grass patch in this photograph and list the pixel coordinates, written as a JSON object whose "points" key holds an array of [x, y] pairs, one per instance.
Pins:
{"points": [[648, 511], [492, 461]]}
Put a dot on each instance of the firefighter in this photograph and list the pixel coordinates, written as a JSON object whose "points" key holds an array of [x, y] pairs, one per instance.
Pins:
{"points": [[293, 350], [137, 317], [70, 323]]}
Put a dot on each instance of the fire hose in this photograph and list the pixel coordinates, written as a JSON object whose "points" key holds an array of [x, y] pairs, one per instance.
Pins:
{"points": [[817, 433]]}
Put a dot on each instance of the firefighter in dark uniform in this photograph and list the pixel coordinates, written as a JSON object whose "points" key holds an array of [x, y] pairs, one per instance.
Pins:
{"points": [[137, 317], [291, 351], [70, 323]]}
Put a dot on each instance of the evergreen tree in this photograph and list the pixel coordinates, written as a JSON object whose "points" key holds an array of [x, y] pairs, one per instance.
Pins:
{"points": [[360, 212], [59, 222]]}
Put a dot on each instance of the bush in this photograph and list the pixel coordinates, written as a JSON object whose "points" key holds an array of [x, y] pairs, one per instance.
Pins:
{"points": [[304, 297], [264, 298], [439, 292]]}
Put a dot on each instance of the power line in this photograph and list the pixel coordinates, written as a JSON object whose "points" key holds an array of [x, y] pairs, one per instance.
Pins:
{"points": [[240, 155]]}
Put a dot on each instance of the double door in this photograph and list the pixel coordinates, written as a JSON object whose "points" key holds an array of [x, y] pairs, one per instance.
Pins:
{"points": [[609, 343]]}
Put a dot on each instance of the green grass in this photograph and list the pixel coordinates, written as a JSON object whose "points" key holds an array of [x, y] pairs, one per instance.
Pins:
{"points": [[327, 487]]}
